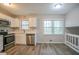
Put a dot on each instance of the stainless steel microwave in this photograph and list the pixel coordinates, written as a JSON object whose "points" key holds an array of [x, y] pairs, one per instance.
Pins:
{"points": [[4, 23]]}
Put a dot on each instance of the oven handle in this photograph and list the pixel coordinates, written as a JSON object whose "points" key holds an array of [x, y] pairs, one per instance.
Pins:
{"points": [[8, 35]]}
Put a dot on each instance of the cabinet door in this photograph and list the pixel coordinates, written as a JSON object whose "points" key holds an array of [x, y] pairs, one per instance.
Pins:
{"points": [[20, 38], [15, 23], [32, 22]]}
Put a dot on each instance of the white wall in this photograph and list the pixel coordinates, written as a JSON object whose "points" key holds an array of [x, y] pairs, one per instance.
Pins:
{"points": [[72, 18], [41, 37]]}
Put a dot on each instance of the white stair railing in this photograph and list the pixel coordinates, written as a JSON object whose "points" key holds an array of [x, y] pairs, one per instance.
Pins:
{"points": [[72, 41]]}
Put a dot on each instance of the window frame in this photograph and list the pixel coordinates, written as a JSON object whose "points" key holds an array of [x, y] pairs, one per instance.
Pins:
{"points": [[53, 33], [22, 25]]}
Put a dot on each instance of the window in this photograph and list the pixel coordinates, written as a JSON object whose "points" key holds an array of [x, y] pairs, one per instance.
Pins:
{"points": [[47, 27], [53, 27], [25, 24], [58, 27]]}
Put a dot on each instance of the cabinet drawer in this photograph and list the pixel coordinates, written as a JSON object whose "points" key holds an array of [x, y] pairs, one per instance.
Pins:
{"points": [[1, 43]]}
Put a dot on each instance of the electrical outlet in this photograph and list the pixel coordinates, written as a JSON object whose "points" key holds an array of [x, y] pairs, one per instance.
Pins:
{"points": [[50, 40]]}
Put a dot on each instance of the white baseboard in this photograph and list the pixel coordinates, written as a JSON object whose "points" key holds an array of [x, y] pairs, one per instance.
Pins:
{"points": [[52, 42]]}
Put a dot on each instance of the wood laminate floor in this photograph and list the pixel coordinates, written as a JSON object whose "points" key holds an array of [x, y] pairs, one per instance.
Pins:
{"points": [[41, 49]]}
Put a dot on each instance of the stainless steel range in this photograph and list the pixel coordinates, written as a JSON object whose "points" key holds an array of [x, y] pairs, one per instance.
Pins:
{"points": [[8, 40]]}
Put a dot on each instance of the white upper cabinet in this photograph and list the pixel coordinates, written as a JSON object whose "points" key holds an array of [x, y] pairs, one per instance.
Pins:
{"points": [[32, 22], [5, 17], [15, 22]]}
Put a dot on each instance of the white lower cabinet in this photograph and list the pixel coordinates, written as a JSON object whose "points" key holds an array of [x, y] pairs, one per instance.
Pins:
{"points": [[20, 38], [1, 42]]}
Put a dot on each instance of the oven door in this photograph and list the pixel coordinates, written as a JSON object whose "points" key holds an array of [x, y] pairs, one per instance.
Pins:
{"points": [[8, 39]]}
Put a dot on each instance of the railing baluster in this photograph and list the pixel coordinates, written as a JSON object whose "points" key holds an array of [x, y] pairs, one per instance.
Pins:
{"points": [[73, 41]]}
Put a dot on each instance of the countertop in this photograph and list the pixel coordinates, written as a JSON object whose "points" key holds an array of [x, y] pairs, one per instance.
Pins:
{"points": [[22, 33]]}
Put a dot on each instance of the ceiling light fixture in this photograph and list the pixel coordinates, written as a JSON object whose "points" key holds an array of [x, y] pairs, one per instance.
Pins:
{"points": [[57, 6]]}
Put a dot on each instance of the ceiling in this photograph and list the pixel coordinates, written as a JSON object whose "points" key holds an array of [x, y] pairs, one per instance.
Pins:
{"points": [[38, 8]]}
